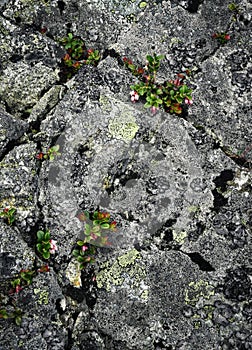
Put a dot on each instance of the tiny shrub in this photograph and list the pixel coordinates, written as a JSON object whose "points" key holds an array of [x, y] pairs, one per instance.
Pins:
{"points": [[170, 96]]}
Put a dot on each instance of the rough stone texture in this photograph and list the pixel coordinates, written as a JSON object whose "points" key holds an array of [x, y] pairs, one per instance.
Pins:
{"points": [[178, 272]]}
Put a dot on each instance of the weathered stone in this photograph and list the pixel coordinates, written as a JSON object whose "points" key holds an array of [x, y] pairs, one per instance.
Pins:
{"points": [[177, 273]]}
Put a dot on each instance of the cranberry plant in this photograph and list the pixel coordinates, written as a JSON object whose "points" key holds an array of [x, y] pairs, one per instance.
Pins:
{"points": [[77, 55], [22, 280], [8, 214], [221, 37], [16, 315], [170, 95], [50, 154], [45, 245], [97, 227]]}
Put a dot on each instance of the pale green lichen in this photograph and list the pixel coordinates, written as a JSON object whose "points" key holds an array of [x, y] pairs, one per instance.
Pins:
{"points": [[43, 296], [179, 237], [129, 258], [197, 324], [105, 103], [193, 209], [197, 290], [123, 127], [126, 271], [142, 4], [145, 295], [73, 273]]}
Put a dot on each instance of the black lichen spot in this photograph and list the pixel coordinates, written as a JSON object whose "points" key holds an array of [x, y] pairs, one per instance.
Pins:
{"points": [[201, 262], [18, 20], [58, 307], [221, 186], [158, 345], [219, 200], [165, 231], [221, 181], [15, 58], [61, 6], [237, 285], [193, 5]]}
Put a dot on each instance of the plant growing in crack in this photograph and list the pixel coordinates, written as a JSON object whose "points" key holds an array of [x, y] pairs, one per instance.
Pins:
{"points": [[8, 214], [241, 157], [170, 96], [221, 37], [77, 55], [45, 245], [97, 227], [16, 314], [22, 280], [51, 153]]}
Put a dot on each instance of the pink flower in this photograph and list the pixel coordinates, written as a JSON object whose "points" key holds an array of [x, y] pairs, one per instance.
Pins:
{"points": [[44, 268], [113, 225], [53, 246], [177, 82], [84, 248], [154, 109], [18, 288], [188, 102], [40, 155], [93, 236], [227, 37], [134, 96]]}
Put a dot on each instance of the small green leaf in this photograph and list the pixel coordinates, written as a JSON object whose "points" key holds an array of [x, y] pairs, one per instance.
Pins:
{"points": [[105, 226], [18, 320], [87, 230], [46, 255], [76, 252], [149, 58], [47, 236], [80, 243], [40, 235], [39, 247], [96, 228], [147, 105], [183, 89], [46, 246]]}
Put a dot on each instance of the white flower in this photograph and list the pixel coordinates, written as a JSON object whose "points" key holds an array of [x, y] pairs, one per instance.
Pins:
{"points": [[188, 102], [53, 246], [134, 96]]}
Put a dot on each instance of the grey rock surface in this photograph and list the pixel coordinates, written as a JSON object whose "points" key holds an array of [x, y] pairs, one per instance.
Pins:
{"points": [[178, 272]]}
